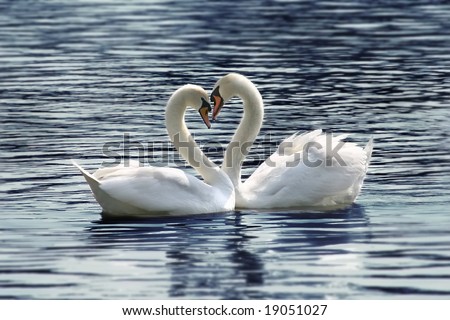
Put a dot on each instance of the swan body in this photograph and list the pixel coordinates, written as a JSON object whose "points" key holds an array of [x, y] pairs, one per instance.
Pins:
{"points": [[300, 173], [136, 191]]}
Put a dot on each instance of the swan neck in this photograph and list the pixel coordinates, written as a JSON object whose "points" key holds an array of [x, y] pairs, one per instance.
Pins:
{"points": [[185, 144], [246, 132]]}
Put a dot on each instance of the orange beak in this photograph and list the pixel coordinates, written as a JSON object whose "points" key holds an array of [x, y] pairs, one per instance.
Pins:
{"points": [[217, 100], [204, 113], [218, 104]]}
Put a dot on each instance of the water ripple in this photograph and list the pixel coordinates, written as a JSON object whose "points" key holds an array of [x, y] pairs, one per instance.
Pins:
{"points": [[76, 75]]}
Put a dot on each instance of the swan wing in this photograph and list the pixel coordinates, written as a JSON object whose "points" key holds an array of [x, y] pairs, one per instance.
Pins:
{"points": [[297, 142], [148, 191], [154, 189], [295, 176], [106, 171]]}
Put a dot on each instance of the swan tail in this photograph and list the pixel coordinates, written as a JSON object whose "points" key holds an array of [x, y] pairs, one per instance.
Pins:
{"points": [[368, 150], [91, 180]]}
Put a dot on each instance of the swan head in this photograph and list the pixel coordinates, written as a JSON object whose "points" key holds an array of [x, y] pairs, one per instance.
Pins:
{"points": [[229, 86], [197, 98]]}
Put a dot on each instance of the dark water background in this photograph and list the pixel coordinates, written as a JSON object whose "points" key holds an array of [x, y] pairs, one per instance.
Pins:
{"points": [[75, 75]]}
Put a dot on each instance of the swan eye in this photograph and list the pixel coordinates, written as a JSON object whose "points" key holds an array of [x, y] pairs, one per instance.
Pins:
{"points": [[205, 104]]}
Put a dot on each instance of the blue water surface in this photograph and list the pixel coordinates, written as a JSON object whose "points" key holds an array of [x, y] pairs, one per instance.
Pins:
{"points": [[76, 75]]}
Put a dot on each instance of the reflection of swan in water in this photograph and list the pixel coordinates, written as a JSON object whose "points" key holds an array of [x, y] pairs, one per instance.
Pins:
{"points": [[318, 228], [205, 255], [156, 191], [250, 264], [236, 255], [316, 251], [245, 268]]}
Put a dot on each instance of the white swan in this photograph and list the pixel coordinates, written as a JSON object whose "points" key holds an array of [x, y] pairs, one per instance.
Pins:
{"points": [[303, 172], [155, 191]]}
